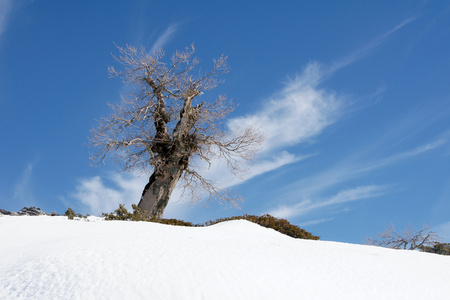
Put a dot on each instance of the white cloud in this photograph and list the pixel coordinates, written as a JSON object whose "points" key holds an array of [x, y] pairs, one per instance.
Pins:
{"points": [[314, 222], [104, 196], [401, 156], [281, 159], [367, 49], [443, 232], [312, 187], [165, 37], [297, 113], [219, 173], [5, 10], [99, 197], [22, 191], [308, 206], [355, 166]]}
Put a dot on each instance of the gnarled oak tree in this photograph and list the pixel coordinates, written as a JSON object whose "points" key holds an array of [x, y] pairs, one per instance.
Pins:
{"points": [[161, 126]]}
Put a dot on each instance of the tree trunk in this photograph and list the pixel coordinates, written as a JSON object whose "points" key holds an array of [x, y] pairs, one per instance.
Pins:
{"points": [[158, 190], [173, 157]]}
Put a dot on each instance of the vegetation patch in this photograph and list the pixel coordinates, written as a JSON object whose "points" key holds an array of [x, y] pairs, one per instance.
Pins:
{"points": [[139, 215], [281, 225], [438, 248], [70, 213]]}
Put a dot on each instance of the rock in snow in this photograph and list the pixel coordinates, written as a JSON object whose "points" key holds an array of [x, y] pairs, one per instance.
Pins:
{"points": [[7, 213], [31, 211], [55, 258], [27, 211]]}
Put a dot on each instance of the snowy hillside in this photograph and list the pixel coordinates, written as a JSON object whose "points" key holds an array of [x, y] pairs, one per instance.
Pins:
{"points": [[54, 258]]}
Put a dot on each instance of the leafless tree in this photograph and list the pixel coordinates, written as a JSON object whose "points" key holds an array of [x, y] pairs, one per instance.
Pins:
{"points": [[410, 238], [160, 126]]}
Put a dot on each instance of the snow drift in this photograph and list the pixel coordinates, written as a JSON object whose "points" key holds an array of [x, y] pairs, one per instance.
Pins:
{"points": [[54, 258]]}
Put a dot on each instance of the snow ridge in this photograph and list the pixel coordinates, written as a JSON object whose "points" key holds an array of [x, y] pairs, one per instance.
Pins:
{"points": [[46, 257]]}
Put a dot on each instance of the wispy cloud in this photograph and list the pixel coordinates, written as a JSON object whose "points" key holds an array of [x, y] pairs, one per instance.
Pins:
{"points": [[368, 48], [401, 156], [443, 231], [165, 37], [312, 188], [296, 113], [22, 190], [311, 205], [100, 197], [281, 159], [314, 222], [224, 179], [104, 194], [355, 166], [5, 10], [301, 110]]}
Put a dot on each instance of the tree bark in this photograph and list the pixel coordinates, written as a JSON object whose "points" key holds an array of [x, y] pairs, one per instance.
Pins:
{"points": [[156, 194]]}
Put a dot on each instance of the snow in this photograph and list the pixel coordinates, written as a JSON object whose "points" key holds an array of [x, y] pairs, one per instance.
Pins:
{"points": [[55, 258]]}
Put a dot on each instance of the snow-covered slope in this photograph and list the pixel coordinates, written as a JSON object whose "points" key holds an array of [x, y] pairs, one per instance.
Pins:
{"points": [[54, 258]]}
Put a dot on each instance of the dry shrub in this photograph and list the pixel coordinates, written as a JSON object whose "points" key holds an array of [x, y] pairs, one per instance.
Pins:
{"points": [[281, 225]]}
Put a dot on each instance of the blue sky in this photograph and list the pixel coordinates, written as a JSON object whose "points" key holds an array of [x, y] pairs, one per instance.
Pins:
{"points": [[352, 97]]}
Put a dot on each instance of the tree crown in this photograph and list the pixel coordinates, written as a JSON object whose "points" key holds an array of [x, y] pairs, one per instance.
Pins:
{"points": [[161, 118]]}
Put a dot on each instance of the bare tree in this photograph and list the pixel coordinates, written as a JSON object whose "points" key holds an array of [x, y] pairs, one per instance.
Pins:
{"points": [[160, 127], [410, 238]]}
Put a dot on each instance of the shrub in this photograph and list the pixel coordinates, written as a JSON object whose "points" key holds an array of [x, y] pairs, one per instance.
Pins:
{"points": [[119, 214], [70, 213], [176, 222], [138, 215], [281, 225], [439, 248]]}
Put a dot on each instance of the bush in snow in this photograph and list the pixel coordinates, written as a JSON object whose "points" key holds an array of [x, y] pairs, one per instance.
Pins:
{"points": [[439, 248], [138, 215], [70, 213], [281, 225]]}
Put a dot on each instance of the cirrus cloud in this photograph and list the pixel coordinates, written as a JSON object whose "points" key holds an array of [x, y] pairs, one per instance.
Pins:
{"points": [[300, 111], [349, 195], [5, 10]]}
